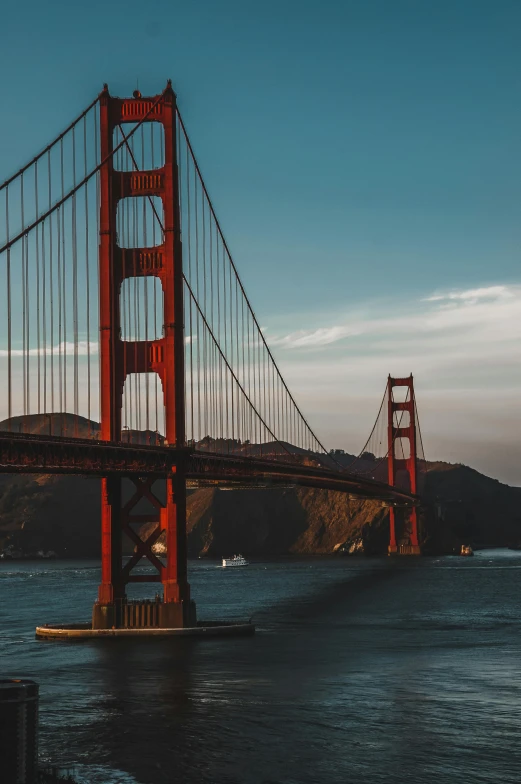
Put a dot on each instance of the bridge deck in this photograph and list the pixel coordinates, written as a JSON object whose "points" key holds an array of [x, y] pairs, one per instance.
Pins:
{"points": [[27, 453]]}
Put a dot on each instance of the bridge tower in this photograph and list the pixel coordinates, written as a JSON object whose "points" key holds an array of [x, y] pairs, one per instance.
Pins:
{"points": [[119, 358], [403, 523]]}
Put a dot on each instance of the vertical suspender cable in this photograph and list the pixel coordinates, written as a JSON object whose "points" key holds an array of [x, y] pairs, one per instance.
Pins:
{"points": [[74, 239], [60, 343], [44, 318], [51, 281], [64, 292], [37, 261], [87, 270], [9, 321], [198, 336], [205, 390]]}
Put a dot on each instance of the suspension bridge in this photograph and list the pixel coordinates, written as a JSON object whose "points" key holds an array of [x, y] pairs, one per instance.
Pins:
{"points": [[130, 350]]}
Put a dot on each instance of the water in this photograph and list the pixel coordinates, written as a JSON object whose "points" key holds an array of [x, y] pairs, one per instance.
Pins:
{"points": [[362, 670]]}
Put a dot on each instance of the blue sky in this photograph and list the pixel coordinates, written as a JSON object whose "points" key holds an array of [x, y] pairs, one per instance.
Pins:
{"points": [[364, 159]]}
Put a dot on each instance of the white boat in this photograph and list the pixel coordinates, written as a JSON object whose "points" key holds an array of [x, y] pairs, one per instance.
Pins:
{"points": [[237, 560]]}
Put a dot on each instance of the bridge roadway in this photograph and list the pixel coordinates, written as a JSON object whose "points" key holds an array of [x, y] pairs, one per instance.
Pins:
{"points": [[44, 454]]}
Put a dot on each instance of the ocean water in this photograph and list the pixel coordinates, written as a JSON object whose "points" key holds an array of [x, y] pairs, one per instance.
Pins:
{"points": [[362, 670]]}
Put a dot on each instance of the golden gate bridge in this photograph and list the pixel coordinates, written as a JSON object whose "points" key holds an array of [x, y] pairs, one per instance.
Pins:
{"points": [[130, 350]]}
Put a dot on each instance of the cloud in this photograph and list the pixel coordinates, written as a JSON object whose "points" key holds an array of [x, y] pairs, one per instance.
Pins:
{"points": [[494, 313], [472, 295], [84, 348], [310, 338]]}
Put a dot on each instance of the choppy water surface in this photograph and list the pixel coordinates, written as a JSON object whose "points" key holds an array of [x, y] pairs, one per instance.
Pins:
{"points": [[381, 670]]}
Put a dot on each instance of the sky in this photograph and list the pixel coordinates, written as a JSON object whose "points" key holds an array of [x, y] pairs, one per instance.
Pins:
{"points": [[364, 160]]}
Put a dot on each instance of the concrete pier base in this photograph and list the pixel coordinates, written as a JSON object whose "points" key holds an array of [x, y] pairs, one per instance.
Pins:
{"points": [[404, 549], [76, 631], [144, 614]]}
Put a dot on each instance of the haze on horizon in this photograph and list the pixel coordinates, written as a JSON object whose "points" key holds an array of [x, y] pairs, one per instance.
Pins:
{"points": [[364, 161]]}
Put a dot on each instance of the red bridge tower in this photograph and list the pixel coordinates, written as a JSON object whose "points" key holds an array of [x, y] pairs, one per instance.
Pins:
{"points": [[403, 469], [119, 358]]}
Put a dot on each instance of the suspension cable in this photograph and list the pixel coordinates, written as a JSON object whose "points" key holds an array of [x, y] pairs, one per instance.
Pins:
{"points": [[77, 187], [232, 263], [49, 146]]}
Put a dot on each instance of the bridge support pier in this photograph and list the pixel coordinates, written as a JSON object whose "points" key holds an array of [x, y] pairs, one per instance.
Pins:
{"points": [[121, 259], [174, 609], [403, 523]]}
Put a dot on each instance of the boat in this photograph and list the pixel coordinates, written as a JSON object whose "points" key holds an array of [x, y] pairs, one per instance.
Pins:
{"points": [[237, 560], [466, 549]]}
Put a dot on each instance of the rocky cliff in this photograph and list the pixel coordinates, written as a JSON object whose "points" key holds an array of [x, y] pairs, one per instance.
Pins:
{"points": [[281, 521], [61, 513]]}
